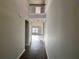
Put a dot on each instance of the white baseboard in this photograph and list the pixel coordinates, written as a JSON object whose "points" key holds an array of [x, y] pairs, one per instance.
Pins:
{"points": [[20, 54]]}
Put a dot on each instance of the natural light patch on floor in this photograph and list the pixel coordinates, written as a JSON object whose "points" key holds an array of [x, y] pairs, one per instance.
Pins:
{"points": [[35, 42]]}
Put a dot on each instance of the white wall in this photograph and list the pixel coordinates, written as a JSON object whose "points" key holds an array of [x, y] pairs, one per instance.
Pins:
{"points": [[12, 28], [63, 29]]}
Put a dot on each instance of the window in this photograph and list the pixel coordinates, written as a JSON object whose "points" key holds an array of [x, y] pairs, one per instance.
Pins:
{"points": [[35, 30], [37, 10]]}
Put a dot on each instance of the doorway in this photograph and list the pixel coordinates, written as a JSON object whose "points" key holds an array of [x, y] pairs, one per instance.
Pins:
{"points": [[26, 33]]}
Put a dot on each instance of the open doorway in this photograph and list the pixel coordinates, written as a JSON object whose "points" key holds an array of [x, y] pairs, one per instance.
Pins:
{"points": [[26, 33], [37, 30]]}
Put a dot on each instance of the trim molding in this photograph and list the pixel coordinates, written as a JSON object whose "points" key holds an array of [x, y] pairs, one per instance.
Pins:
{"points": [[20, 54]]}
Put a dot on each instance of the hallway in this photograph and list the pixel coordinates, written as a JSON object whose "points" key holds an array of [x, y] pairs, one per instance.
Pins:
{"points": [[56, 20], [36, 50]]}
